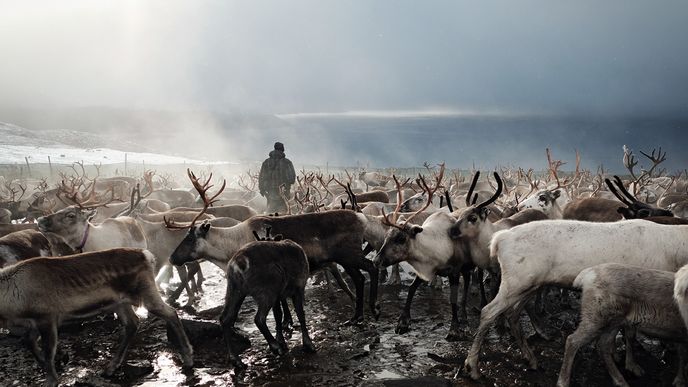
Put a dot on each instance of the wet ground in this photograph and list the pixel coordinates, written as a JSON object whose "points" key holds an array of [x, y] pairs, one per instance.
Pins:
{"points": [[368, 354]]}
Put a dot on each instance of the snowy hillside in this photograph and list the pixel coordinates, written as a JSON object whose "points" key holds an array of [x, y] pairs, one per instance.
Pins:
{"points": [[66, 147]]}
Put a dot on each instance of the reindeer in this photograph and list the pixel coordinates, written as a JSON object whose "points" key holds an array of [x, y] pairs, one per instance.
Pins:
{"points": [[73, 225], [42, 292], [331, 236], [429, 250], [30, 243], [634, 208], [551, 253], [269, 270], [616, 295], [474, 229]]}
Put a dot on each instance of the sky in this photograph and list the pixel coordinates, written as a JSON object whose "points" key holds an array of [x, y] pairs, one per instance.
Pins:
{"points": [[618, 57]]}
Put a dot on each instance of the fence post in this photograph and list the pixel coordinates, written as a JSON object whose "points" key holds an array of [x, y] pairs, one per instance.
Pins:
{"points": [[50, 164], [28, 168], [125, 164]]}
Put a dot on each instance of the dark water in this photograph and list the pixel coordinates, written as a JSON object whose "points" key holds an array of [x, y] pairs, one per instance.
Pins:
{"points": [[486, 141]]}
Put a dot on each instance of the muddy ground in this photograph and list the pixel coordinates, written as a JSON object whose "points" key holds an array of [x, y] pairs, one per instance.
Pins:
{"points": [[368, 354]]}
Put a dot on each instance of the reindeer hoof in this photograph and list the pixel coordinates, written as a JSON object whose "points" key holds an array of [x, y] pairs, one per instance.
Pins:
{"points": [[376, 311], [454, 335], [187, 361], [472, 370], [278, 348], [309, 348], [635, 369], [238, 365], [402, 325], [109, 371]]}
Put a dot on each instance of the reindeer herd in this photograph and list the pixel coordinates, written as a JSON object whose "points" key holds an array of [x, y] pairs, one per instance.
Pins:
{"points": [[90, 245]]}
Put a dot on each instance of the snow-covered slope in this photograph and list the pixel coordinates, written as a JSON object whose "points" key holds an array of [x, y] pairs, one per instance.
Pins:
{"points": [[66, 147]]}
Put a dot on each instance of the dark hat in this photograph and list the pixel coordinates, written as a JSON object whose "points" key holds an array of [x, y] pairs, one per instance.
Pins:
{"points": [[279, 146]]}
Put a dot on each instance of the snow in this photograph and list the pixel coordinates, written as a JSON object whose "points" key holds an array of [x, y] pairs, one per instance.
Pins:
{"points": [[67, 147], [14, 154]]}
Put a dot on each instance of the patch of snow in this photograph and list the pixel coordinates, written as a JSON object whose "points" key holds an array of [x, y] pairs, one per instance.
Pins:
{"points": [[14, 154]]}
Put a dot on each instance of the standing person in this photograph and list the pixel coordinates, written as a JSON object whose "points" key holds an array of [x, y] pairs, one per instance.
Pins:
{"points": [[277, 170]]}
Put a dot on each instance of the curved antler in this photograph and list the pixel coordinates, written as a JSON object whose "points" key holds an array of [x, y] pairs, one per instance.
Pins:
{"points": [[395, 215], [616, 193], [472, 187], [429, 191], [500, 187], [623, 190], [202, 189]]}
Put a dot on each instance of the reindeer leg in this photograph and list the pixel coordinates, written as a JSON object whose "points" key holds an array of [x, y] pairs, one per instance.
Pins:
{"points": [[454, 334], [233, 302], [279, 332], [340, 281], [287, 321], [405, 316], [48, 331], [481, 286], [184, 285], [298, 305], [358, 280], [395, 276], [32, 339], [131, 324], [260, 321]]}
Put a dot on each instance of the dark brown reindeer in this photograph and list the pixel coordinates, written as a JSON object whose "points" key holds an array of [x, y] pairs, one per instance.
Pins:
{"points": [[269, 270]]}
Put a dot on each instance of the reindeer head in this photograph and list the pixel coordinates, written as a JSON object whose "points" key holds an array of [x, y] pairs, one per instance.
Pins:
{"points": [[193, 246], [543, 200], [414, 203], [634, 209], [69, 223], [396, 247], [473, 218]]}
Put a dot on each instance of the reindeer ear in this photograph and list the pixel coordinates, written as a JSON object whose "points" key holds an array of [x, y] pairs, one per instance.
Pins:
{"points": [[484, 212], [455, 231], [625, 212], [278, 237], [556, 194], [415, 230], [205, 227], [91, 213]]}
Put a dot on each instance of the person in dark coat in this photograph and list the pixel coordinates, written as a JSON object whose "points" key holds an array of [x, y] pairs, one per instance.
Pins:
{"points": [[275, 172]]}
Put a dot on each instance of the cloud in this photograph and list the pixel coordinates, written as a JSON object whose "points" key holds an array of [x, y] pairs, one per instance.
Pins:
{"points": [[585, 57]]}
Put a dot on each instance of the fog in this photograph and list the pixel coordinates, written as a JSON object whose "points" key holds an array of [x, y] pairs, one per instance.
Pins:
{"points": [[251, 60]]}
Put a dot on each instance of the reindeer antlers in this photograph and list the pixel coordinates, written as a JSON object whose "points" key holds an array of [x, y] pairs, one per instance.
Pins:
{"points": [[430, 191], [202, 189]]}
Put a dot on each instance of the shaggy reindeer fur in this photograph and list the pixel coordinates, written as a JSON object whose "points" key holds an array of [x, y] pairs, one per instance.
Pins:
{"points": [[30, 243], [72, 225], [41, 292], [330, 236], [237, 212], [554, 252], [616, 295], [268, 271]]}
